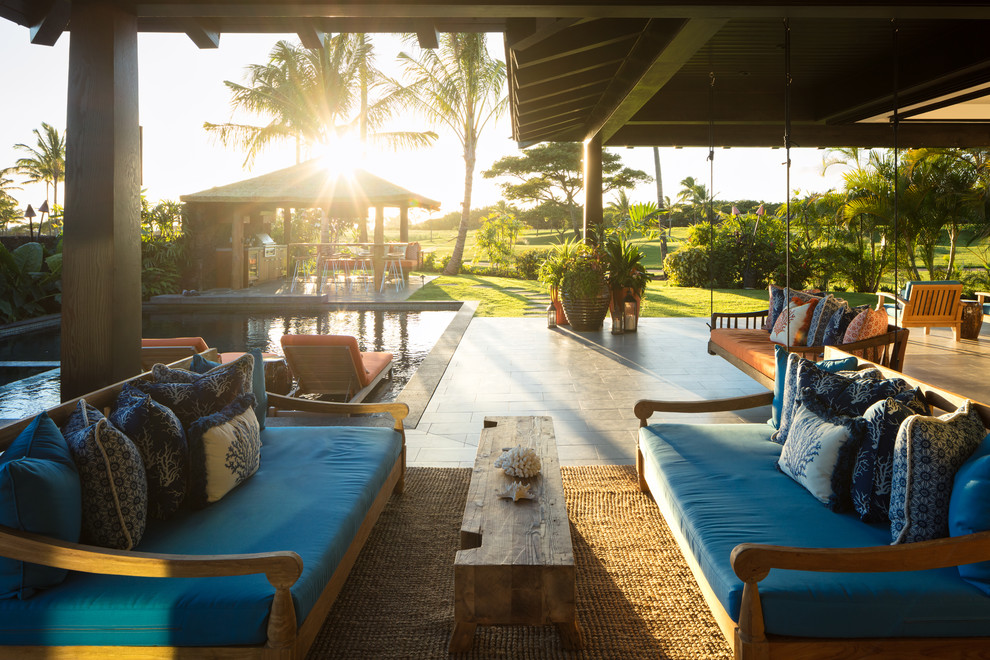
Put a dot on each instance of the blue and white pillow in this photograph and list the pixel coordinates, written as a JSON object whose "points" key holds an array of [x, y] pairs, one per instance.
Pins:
{"points": [[224, 451], [927, 453], [816, 449], [826, 308], [201, 365], [786, 364], [803, 373], [192, 396], [111, 474], [835, 330], [851, 396], [873, 467], [159, 437]]}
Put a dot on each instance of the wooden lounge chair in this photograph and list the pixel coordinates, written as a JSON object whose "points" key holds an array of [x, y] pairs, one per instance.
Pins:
{"points": [[334, 365], [936, 304]]}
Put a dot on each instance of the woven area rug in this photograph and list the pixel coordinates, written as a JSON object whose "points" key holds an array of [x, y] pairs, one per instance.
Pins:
{"points": [[636, 596]]}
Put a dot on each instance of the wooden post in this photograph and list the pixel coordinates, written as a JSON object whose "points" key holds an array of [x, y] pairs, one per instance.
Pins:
{"points": [[237, 250], [404, 223], [593, 214], [101, 257], [363, 228], [287, 237], [378, 251]]}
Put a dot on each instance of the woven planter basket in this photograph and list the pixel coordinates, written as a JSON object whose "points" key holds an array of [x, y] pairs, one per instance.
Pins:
{"points": [[586, 314]]}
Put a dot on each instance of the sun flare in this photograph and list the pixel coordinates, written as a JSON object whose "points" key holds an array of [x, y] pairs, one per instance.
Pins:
{"points": [[342, 156]]}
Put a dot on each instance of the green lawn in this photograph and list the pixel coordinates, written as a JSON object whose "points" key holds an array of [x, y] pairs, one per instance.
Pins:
{"points": [[501, 296]]}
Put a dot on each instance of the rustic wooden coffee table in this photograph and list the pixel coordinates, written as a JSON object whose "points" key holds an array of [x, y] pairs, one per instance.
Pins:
{"points": [[516, 563]]}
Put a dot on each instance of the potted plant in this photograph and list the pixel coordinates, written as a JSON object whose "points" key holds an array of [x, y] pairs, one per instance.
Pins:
{"points": [[552, 273], [584, 291], [625, 272]]}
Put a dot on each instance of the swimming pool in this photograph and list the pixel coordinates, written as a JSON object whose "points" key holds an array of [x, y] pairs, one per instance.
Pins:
{"points": [[409, 335]]}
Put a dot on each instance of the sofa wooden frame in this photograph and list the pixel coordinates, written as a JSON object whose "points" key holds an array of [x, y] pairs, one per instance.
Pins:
{"points": [[287, 638], [752, 562], [887, 349]]}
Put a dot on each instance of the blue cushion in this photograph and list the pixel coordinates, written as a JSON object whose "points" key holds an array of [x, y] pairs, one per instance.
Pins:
{"points": [[201, 365], [224, 451], [794, 383], [850, 396], [191, 396], [927, 453], [969, 509], [39, 492], [722, 488], [310, 495], [835, 331], [112, 478], [906, 291], [780, 375], [158, 435]]}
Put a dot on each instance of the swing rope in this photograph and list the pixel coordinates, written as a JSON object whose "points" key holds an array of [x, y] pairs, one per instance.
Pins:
{"points": [[787, 162], [895, 120], [711, 191]]}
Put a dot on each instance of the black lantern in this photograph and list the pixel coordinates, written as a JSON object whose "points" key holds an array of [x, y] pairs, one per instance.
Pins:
{"points": [[551, 316], [630, 313]]}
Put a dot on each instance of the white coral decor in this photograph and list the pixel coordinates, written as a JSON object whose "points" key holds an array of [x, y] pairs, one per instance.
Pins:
{"points": [[516, 491], [519, 462]]}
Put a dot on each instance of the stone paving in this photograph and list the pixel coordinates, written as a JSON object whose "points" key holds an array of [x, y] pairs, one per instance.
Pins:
{"points": [[589, 381]]}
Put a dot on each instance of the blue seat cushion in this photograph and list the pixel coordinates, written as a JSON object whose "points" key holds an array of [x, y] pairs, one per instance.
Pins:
{"points": [[310, 495], [721, 483]]}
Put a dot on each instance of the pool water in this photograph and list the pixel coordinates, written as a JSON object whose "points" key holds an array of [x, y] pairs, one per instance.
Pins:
{"points": [[409, 336]]}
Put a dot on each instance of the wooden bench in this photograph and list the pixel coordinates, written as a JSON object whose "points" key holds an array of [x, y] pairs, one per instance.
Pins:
{"points": [[516, 563], [928, 305], [738, 339]]}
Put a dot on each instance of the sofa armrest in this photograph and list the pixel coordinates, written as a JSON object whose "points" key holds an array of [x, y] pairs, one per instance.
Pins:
{"points": [[983, 297], [646, 407], [732, 320], [890, 296], [282, 403], [752, 562], [282, 569]]}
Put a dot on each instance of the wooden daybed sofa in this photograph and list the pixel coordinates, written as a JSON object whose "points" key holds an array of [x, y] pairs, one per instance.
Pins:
{"points": [[785, 577], [252, 575], [740, 340]]}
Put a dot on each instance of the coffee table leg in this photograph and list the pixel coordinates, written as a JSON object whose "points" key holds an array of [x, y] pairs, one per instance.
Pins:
{"points": [[570, 635], [463, 636]]}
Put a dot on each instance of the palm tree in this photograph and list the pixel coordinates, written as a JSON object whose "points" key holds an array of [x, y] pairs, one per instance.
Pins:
{"points": [[8, 205], [460, 86], [315, 97], [693, 193], [45, 161]]}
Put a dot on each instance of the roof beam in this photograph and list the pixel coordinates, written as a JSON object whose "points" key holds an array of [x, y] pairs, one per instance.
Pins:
{"points": [[427, 35], [654, 60], [527, 32], [202, 34], [910, 135], [52, 24], [311, 37]]}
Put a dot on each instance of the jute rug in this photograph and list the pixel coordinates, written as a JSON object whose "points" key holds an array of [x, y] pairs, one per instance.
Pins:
{"points": [[636, 596]]}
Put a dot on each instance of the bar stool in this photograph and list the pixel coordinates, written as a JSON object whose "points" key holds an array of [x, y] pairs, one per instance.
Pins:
{"points": [[393, 270], [300, 274]]}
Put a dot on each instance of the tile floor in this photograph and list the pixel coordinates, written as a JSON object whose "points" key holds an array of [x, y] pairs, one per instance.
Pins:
{"points": [[589, 382]]}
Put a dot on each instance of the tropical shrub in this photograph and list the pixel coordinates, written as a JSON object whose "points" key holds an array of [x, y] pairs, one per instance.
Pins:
{"points": [[528, 263], [498, 235], [30, 282]]}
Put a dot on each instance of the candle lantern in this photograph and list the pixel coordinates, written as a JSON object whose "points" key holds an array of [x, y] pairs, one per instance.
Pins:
{"points": [[551, 316], [630, 313]]}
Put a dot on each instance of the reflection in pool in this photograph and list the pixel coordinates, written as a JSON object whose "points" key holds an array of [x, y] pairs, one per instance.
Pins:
{"points": [[408, 335]]}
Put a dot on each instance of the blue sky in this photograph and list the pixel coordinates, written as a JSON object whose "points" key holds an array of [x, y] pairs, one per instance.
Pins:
{"points": [[181, 86]]}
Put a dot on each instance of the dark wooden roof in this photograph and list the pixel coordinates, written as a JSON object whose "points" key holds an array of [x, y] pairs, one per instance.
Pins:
{"points": [[638, 72], [311, 185]]}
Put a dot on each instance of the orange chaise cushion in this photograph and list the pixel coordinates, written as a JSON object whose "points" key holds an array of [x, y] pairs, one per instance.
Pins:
{"points": [[752, 346], [197, 343]]}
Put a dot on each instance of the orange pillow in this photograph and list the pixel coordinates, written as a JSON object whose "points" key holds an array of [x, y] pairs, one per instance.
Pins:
{"points": [[791, 327], [868, 323]]}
